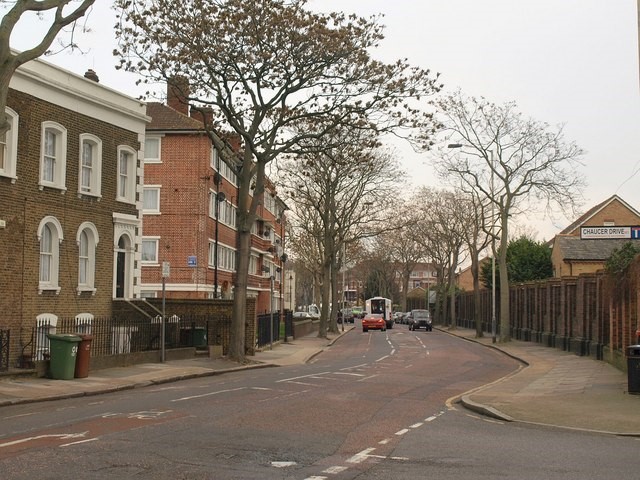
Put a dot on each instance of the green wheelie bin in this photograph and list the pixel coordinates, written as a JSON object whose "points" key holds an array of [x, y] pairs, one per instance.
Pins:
{"points": [[63, 350]]}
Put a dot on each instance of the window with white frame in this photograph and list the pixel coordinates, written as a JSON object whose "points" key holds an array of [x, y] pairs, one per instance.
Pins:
{"points": [[49, 236], [9, 146], [126, 174], [90, 165], [267, 268], [227, 214], [215, 158], [253, 265], [222, 167], [151, 199], [226, 211], [87, 240], [270, 202], [226, 257], [53, 155], [150, 250], [152, 149]]}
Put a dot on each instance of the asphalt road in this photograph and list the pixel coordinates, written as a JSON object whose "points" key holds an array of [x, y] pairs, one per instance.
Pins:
{"points": [[374, 405]]}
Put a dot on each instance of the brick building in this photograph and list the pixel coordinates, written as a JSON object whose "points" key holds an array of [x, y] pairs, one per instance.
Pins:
{"points": [[185, 226], [69, 211], [573, 255]]}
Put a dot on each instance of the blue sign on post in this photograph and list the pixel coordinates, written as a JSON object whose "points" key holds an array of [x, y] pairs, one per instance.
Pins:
{"points": [[192, 261], [635, 233]]}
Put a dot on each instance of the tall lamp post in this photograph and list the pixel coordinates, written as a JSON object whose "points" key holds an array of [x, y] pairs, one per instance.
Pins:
{"points": [[220, 197], [493, 244]]}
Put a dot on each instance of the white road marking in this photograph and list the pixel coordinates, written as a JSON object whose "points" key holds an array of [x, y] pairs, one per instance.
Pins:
{"points": [[147, 415], [385, 441], [280, 397], [283, 464], [334, 470], [402, 432], [382, 358], [355, 366], [305, 384], [53, 435], [416, 425], [18, 416], [303, 376], [78, 443], [431, 418], [316, 478], [367, 378], [360, 457], [349, 373], [208, 394]]}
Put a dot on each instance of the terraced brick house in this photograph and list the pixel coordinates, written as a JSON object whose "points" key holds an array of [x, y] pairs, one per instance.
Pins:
{"points": [[70, 216]]}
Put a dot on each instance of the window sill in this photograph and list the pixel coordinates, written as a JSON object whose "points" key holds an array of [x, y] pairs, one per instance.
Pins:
{"points": [[53, 186], [48, 288], [96, 196], [82, 290]]}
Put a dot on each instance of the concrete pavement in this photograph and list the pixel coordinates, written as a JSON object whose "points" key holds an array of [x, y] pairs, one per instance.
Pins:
{"points": [[551, 388]]}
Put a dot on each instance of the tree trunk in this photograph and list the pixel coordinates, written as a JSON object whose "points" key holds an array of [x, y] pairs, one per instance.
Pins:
{"points": [[326, 289], [475, 273], [405, 290], [505, 334], [452, 292], [238, 323]]}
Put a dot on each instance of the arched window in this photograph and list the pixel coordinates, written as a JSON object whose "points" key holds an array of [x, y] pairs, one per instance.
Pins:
{"points": [[87, 239], [49, 236]]}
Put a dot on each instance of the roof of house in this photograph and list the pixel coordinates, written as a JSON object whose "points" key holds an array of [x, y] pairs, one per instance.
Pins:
{"points": [[575, 248], [166, 118], [593, 211]]}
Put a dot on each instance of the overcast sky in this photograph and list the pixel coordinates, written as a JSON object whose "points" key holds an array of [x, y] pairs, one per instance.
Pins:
{"points": [[571, 62]]}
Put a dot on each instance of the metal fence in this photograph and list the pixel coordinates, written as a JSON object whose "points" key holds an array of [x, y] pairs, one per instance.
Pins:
{"points": [[115, 336], [268, 329]]}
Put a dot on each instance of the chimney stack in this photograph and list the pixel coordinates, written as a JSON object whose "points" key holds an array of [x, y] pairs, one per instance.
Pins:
{"points": [[178, 94]]}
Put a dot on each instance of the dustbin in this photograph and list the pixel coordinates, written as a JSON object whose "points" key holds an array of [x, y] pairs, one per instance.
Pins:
{"points": [[633, 368], [63, 349], [194, 337], [84, 354]]}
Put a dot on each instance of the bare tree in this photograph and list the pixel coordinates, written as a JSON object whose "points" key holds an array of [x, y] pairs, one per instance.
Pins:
{"points": [[263, 68], [339, 186], [510, 162], [10, 60], [403, 246]]}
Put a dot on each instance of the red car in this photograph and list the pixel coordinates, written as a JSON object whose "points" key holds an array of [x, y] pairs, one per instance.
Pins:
{"points": [[373, 321]]}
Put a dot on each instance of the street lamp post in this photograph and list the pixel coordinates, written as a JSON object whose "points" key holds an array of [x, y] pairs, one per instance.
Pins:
{"points": [[493, 244], [220, 197]]}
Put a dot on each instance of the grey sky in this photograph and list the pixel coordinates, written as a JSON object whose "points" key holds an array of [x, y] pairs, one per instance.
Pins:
{"points": [[572, 62]]}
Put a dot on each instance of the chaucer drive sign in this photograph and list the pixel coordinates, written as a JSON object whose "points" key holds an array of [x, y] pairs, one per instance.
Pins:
{"points": [[610, 232]]}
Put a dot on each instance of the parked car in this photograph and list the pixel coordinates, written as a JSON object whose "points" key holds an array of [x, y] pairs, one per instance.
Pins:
{"points": [[420, 319], [358, 312], [347, 314], [301, 315], [373, 321]]}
